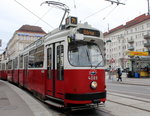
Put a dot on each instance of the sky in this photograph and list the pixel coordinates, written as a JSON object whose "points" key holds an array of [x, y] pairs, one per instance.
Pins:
{"points": [[100, 14]]}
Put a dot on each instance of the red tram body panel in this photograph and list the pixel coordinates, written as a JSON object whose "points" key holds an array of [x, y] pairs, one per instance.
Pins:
{"points": [[3, 74], [77, 87], [36, 81], [21, 77], [10, 75], [15, 76]]}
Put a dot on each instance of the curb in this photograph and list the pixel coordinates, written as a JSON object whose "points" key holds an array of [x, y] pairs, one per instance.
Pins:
{"points": [[134, 84]]}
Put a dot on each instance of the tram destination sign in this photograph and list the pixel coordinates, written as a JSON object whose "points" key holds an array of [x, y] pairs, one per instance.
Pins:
{"points": [[89, 32]]}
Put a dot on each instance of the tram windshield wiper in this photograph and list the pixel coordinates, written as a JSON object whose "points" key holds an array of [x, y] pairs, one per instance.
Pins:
{"points": [[99, 64], [89, 57]]}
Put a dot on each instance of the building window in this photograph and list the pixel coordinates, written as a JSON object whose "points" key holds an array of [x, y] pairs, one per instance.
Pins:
{"points": [[148, 24], [131, 30]]}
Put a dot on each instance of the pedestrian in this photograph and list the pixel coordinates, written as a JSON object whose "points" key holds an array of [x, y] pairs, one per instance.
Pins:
{"points": [[109, 73], [119, 74]]}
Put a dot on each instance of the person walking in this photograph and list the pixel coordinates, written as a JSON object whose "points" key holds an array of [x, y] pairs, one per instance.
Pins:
{"points": [[119, 74], [109, 73]]}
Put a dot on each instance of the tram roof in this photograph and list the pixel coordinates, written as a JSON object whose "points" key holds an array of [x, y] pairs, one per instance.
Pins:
{"points": [[79, 25], [56, 33]]}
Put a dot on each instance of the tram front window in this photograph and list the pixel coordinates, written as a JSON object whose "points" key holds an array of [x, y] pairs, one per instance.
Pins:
{"points": [[85, 54]]}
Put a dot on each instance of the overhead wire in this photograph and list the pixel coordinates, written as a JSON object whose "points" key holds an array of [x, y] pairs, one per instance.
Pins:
{"points": [[33, 14], [112, 11], [102, 10], [44, 14], [96, 12]]}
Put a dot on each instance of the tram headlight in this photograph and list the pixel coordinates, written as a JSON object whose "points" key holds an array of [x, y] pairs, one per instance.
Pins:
{"points": [[94, 85]]}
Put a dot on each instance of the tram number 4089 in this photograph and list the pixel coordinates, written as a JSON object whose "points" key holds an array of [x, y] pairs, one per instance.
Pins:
{"points": [[92, 77]]}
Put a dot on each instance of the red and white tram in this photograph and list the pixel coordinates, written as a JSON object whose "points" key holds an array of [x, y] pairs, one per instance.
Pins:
{"points": [[65, 68]]}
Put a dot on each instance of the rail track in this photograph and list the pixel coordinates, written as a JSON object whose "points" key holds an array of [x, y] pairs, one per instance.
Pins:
{"points": [[143, 101]]}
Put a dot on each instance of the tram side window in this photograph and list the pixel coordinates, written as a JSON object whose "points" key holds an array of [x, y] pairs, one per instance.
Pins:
{"points": [[60, 62], [32, 59], [25, 61], [10, 65], [39, 57], [21, 62], [15, 63], [0, 67], [49, 65], [6, 65], [3, 66]]}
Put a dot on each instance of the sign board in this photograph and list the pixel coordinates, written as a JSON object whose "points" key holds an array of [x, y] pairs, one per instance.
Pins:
{"points": [[112, 60], [136, 53], [71, 21], [89, 32]]}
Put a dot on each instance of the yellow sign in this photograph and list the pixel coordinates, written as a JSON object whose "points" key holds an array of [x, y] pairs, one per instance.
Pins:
{"points": [[73, 20], [135, 53]]}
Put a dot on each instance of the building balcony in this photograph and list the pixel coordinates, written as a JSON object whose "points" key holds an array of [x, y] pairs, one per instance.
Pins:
{"points": [[146, 44], [130, 48], [147, 36], [130, 41]]}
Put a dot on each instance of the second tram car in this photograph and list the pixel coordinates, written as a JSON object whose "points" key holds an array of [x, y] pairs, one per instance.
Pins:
{"points": [[65, 68]]}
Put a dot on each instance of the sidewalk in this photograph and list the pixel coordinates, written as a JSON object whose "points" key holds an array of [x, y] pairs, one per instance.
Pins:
{"points": [[16, 102], [132, 81], [11, 103]]}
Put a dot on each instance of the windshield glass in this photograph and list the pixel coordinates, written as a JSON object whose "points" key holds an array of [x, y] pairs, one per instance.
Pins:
{"points": [[85, 54]]}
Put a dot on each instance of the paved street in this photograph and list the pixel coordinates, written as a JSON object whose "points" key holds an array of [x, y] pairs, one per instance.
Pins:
{"points": [[129, 97], [138, 87]]}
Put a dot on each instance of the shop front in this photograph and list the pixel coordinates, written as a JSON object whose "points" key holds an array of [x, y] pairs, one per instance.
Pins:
{"points": [[140, 67]]}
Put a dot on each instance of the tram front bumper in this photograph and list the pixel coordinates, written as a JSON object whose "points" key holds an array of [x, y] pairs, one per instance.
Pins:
{"points": [[85, 98]]}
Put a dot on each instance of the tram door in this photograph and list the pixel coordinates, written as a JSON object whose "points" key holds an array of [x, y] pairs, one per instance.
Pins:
{"points": [[55, 70]]}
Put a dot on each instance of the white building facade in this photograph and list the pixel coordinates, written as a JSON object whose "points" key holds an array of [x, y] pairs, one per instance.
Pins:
{"points": [[22, 38], [124, 38]]}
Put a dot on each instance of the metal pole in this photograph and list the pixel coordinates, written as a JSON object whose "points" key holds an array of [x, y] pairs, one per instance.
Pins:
{"points": [[148, 7], [62, 19]]}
